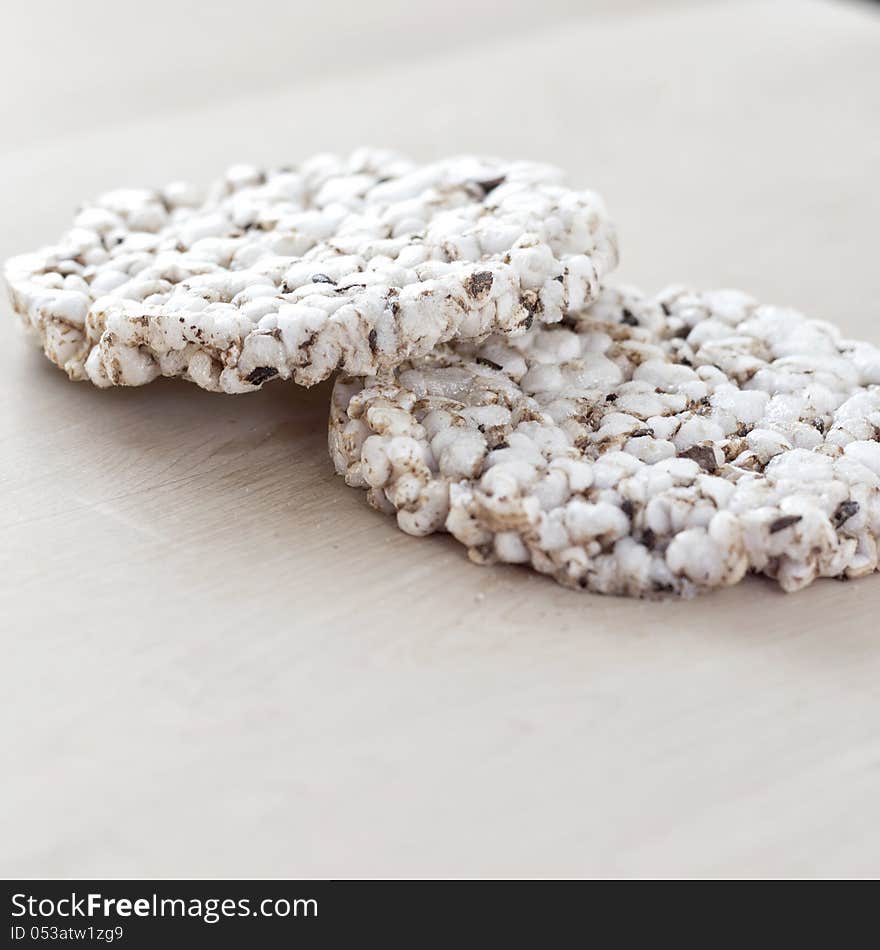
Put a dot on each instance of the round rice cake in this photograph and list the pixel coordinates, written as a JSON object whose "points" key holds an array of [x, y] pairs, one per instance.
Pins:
{"points": [[355, 263], [649, 445]]}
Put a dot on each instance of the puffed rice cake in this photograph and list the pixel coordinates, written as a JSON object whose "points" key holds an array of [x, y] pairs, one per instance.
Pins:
{"points": [[351, 263], [648, 445]]}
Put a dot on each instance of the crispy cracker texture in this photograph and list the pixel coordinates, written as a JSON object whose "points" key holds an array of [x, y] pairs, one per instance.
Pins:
{"points": [[354, 263], [649, 445]]}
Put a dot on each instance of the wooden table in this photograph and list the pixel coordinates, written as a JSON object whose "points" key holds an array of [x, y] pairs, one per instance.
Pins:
{"points": [[219, 661]]}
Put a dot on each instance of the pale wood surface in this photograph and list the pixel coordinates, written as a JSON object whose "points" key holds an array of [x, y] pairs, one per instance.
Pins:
{"points": [[218, 661]]}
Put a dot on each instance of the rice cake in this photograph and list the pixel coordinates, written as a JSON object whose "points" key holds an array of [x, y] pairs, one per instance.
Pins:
{"points": [[648, 445], [353, 263]]}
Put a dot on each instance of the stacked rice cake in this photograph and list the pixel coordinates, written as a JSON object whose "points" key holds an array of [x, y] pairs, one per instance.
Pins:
{"points": [[619, 442], [643, 446], [351, 263]]}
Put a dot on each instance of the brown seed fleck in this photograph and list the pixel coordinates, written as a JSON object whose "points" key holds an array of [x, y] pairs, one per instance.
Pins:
{"points": [[487, 362], [845, 511], [532, 302], [490, 184], [703, 455], [780, 524], [261, 374], [478, 283]]}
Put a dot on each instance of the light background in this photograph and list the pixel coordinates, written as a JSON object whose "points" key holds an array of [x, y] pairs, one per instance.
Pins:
{"points": [[218, 661]]}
